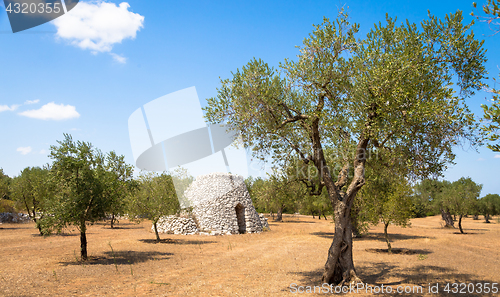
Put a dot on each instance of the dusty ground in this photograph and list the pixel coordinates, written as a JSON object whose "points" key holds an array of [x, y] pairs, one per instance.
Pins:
{"points": [[127, 262]]}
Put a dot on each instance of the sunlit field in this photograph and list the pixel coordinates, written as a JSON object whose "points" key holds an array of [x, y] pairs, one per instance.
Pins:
{"points": [[285, 261]]}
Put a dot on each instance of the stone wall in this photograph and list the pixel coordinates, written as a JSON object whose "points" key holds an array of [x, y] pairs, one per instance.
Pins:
{"points": [[176, 225], [8, 217]]}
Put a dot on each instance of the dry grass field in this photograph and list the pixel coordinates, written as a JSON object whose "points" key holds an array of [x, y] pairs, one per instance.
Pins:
{"points": [[127, 262]]}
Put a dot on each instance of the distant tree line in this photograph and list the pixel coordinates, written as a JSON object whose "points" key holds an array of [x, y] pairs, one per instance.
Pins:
{"points": [[387, 198]]}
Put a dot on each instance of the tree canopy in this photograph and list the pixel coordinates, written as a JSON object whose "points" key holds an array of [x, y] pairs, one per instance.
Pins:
{"points": [[80, 172], [155, 197], [32, 190], [390, 93], [4, 185], [386, 198], [492, 112]]}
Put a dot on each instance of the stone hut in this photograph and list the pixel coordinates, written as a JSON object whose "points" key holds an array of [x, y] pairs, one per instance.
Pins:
{"points": [[221, 204]]}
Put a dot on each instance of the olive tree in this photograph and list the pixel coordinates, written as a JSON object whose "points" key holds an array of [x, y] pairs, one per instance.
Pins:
{"points": [[389, 92], [433, 192], [79, 172], [386, 199], [463, 198], [489, 205], [119, 183], [155, 197], [4, 185], [491, 129], [32, 190]]}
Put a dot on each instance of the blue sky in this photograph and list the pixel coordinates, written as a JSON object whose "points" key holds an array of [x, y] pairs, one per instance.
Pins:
{"points": [[87, 77]]}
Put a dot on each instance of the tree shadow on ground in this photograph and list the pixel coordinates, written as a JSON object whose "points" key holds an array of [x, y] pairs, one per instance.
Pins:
{"points": [[374, 236], [120, 227], [121, 258], [398, 251], [62, 234], [419, 278], [295, 221], [468, 233], [176, 241], [7, 228]]}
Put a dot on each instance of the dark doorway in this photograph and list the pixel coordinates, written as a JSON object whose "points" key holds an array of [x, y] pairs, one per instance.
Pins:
{"points": [[240, 216]]}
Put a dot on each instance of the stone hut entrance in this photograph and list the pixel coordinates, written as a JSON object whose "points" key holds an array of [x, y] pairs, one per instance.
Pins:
{"points": [[240, 216]]}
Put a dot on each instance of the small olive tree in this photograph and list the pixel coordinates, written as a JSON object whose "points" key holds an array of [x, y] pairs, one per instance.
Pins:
{"points": [[119, 183], [386, 198], [461, 197], [489, 205], [32, 190], [4, 185], [155, 197], [79, 171]]}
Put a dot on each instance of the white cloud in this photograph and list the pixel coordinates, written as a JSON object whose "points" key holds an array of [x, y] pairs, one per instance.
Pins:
{"points": [[481, 159], [52, 111], [118, 58], [98, 25], [28, 102], [8, 108], [497, 156], [42, 152], [24, 150]]}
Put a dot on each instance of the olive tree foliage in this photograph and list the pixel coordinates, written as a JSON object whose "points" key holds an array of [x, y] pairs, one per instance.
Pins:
{"points": [[489, 206], [386, 198], [80, 174], [492, 14], [491, 129], [4, 185], [432, 192], [492, 117], [316, 204], [390, 92], [277, 193], [119, 183], [154, 198], [32, 190], [461, 198]]}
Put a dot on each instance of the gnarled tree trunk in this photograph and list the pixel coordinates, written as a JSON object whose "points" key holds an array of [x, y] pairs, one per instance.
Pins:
{"points": [[460, 224], [279, 215], [389, 248], [445, 214], [339, 267]]}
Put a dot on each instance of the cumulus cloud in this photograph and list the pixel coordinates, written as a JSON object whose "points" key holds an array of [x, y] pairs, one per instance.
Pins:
{"points": [[497, 156], [118, 58], [98, 25], [42, 152], [8, 108], [24, 150], [28, 102], [52, 111]]}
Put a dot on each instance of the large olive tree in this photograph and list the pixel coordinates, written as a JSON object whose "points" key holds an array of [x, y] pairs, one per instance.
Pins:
{"points": [[390, 93]]}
